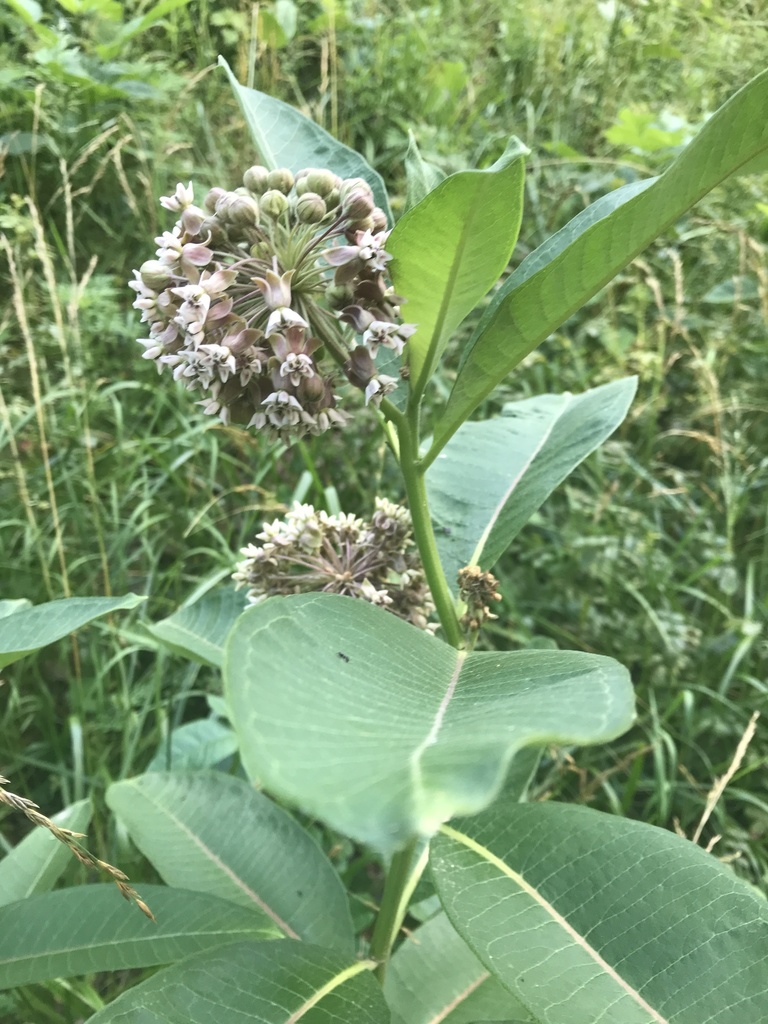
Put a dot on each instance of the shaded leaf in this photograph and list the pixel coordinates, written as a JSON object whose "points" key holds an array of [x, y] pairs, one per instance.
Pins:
{"points": [[35, 864], [403, 731], [198, 630], [589, 917], [205, 743], [214, 833], [569, 268], [89, 928], [493, 475], [30, 629], [286, 138]]}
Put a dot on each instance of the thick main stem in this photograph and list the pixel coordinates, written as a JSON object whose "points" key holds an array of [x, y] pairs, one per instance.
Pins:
{"points": [[398, 889], [416, 490]]}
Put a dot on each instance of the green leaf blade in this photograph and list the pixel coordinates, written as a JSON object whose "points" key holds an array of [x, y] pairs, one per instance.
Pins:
{"points": [[29, 629], [494, 474], [585, 916], [263, 983], [89, 928], [199, 630], [213, 833], [401, 731], [531, 306], [449, 250]]}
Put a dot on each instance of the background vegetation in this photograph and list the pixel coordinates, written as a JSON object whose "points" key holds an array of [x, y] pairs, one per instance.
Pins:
{"points": [[655, 552]]}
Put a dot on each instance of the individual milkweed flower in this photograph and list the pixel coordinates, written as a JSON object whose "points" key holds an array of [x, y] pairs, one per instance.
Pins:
{"points": [[389, 335], [183, 196]]}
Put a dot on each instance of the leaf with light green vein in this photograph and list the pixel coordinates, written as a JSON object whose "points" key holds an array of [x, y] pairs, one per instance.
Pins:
{"points": [[214, 833], [205, 743], [383, 731], [435, 977], [34, 865], [284, 137], [493, 475], [448, 251], [198, 630], [89, 928], [258, 982], [30, 629], [569, 268], [593, 919], [421, 176]]}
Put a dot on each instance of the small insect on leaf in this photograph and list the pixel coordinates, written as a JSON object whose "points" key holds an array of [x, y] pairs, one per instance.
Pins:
{"points": [[343, 656]]}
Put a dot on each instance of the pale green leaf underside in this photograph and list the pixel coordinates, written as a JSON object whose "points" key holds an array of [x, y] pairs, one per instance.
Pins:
{"points": [[284, 137], [255, 983], [493, 475], [198, 630], [30, 629], [435, 977], [204, 743], [421, 176], [449, 250], [89, 928], [383, 731], [34, 865], [214, 833], [529, 307], [593, 919]]}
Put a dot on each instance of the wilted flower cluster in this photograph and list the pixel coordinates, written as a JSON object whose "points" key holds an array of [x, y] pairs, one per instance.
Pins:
{"points": [[477, 589], [251, 298], [310, 551]]}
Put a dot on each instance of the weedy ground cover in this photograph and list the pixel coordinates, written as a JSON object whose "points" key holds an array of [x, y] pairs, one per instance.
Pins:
{"points": [[652, 553]]}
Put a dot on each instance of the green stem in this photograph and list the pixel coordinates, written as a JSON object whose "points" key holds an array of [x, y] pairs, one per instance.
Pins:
{"points": [[402, 878], [416, 490]]}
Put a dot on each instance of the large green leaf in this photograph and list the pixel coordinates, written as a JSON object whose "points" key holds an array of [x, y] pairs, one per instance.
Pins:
{"points": [[559, 278], [198, 630], [204, 743], [384, 731], [588, 917], [34, 865], [214, 833], [435, 976], [421, 176], [29, 629], [493, 475], [89, 928], [286, 138], [257, 982], [449, 250]]}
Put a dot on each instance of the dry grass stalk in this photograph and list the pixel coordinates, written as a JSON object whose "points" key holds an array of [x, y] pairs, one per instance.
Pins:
{"points": [[720, 784]]}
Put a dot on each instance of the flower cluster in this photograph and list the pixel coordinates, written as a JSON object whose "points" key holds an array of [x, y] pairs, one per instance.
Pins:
{"points": [[250, 299], [310, 551], [477, 589]]}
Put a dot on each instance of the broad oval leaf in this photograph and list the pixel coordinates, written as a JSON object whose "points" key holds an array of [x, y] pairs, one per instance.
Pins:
{"points": [[204, 743], [589, 917], [384, 731], [434, 976], [493, 475], [258, 982], [214, 833], [587, 253], [89, 928], [35, 864], [449, 250], [29, 629], [198, 630], [284, 137]]}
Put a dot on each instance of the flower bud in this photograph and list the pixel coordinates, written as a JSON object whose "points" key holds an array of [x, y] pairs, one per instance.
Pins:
{"points": [[338, 295], [310, 208], [273, 203], [353, 185], [255, 179], [212, 229], [358, 204], [243, 212], [360, 367], [155, 275], [311, 389], [333, 199], [212, 199], [323, 182], [281, 180], [261, 250], [379, 219], [365, 224], [300, 186]]}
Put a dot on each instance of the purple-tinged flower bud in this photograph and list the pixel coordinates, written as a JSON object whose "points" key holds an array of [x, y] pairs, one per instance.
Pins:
{"points": [[274, 203], [349, 185], [280, 179], [358, 204], [243, 212], [323, 182], [310, 208], [360, 367], [212, 198], [156, 275], [212, 230], [364, 224], [255, 179], [311, 389], [359, 318], [379, 220]]}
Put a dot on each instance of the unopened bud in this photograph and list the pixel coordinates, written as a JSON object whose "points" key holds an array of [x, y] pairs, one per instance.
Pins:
{"points": [[323, 182], [364, 224], [338, 295], [273, 203], [360, 367], [155, 275], [212, 230], [379, 219], [243, 212], [280, 179], [358, 204], [212, 198], [311, 389], [255, 179], [310, 208], [349, 185]]}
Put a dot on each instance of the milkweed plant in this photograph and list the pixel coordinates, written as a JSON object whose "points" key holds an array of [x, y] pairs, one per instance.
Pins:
{"points": [[288, 303]]}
